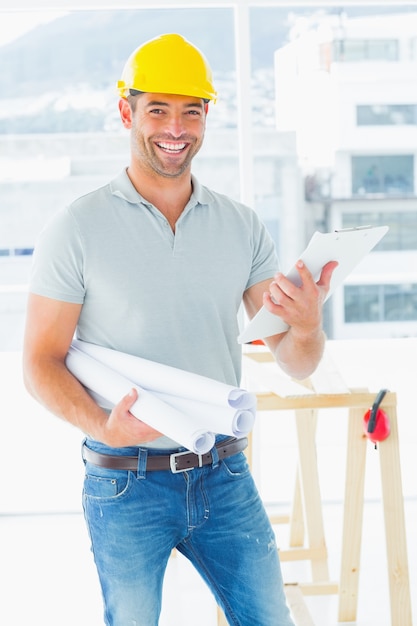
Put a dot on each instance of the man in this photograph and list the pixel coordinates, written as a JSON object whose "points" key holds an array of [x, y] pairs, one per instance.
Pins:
{"points": [[156, 265]]}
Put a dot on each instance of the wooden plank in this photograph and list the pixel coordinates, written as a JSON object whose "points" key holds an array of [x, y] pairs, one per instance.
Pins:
{"points": [[297, 528], [268, 401], [353, 516], [306, 421], [303, 554], [260, 357], [279, 519], [319, 588], [395, 531], [298, 608], [221, 620]]}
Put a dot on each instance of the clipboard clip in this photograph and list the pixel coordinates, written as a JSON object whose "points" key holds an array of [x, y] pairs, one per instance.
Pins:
{"points": [[347, 230]]}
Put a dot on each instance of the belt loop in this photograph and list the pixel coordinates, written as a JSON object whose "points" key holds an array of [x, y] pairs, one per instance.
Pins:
{"points": [[83, 444], [214, 457], [142, 460]]}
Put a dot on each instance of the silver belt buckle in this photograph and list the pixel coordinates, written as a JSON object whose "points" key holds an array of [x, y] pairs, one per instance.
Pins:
{"points": [[173, 461]]}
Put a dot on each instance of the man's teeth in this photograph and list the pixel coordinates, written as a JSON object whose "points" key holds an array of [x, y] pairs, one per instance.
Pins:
{"points": [[172, 148]]}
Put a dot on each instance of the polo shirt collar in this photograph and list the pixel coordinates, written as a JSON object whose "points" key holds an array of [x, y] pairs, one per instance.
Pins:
{"points": [[122, 187]]}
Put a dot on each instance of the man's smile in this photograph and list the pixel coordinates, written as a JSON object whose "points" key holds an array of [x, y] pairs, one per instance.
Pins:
{"points": [[171, 148]]}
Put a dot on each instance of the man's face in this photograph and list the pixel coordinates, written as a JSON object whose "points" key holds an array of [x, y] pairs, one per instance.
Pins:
{"points": [[167, 131]]}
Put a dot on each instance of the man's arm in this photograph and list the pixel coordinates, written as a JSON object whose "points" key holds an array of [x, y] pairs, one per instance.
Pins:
{"points": [[299, 349], [50, 327]]}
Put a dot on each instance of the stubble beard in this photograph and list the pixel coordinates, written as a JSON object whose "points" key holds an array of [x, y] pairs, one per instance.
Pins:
{"points": [[148, 155]]}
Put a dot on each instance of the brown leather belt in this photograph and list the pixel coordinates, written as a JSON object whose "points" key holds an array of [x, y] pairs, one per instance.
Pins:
{"points": [[176, 462]]}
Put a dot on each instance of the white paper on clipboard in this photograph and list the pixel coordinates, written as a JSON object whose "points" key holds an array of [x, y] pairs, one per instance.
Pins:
{"points": [[347, 247]]}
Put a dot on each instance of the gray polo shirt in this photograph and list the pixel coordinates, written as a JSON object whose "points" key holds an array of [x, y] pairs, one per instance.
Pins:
{"points": [[172, 298]]}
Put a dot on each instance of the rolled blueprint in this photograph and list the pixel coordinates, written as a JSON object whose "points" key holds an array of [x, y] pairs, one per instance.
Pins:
{"points": [[209, 404], [113, 386], [170, 380], [220, 419]]}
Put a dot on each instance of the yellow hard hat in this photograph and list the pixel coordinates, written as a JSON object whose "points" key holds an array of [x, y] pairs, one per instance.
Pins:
{"points": [[168, 64]]}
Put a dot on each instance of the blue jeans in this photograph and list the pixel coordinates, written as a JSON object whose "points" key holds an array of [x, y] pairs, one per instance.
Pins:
{"points": [[213, 515]]}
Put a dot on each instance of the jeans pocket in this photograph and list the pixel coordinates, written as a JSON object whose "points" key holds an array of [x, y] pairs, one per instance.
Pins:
{"points": [[103, 484], [236, 465]]}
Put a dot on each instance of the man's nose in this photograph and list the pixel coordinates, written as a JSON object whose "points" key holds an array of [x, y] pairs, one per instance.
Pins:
{"points": [[176, 125]]}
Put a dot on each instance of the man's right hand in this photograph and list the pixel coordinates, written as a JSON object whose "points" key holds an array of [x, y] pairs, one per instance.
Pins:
{"points": [[124, 429], [50, 327]]}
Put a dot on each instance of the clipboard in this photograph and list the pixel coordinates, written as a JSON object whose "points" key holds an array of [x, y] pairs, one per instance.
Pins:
{"points": [[348, 247]]}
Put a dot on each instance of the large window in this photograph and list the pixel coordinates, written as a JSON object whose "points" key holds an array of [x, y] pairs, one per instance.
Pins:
{"points": [[356, 50], [386, 114], [391, 175], [61, 136], [402, 234], [380, 303]]}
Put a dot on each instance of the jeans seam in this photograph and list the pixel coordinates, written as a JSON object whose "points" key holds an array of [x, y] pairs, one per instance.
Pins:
{"points": [[225, 603]]}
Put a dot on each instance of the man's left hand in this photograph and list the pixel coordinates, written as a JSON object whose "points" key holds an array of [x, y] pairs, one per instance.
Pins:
{"points": [[300, 306]]}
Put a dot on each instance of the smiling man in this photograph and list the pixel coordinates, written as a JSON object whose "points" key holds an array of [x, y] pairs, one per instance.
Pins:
{"points": [[164, 117], [156, 265]]}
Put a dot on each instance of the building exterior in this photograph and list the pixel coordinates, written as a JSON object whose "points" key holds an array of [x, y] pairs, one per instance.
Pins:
{"points": [[348, 89], [343, 154], [56, 169]]}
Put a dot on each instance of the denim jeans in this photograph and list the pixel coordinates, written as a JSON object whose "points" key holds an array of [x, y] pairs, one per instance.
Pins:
{"points": [[213, 515]]}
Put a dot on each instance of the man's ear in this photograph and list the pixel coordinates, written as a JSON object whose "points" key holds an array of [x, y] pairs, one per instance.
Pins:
{"points": [[125, 113], [206, 107]]}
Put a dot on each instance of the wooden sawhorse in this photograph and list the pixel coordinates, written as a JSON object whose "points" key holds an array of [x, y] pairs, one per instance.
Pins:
{"points": [[307, 496]]}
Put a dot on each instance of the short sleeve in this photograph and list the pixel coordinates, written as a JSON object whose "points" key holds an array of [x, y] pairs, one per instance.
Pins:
{"points": [[264, 257], [57, 268]]}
